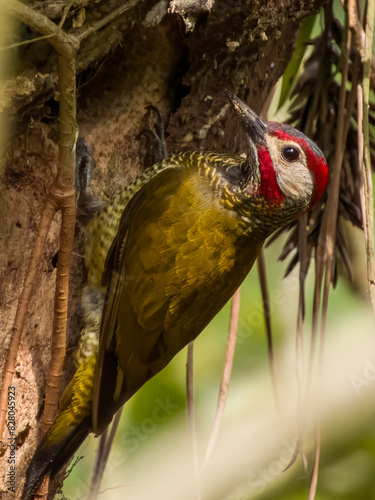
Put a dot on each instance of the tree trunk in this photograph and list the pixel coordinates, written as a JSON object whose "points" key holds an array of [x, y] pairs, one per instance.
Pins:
{"points": [[177, 56]]}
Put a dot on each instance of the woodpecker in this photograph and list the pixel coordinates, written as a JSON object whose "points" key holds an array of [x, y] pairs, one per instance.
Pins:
{"points": [[165, 256]]}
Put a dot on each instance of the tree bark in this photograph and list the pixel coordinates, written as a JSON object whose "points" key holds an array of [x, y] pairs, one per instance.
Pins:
{"points": [[178, 56]]}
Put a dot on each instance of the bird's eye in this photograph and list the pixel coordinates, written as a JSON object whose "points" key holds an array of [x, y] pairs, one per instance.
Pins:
{"points": [[290, 153]]}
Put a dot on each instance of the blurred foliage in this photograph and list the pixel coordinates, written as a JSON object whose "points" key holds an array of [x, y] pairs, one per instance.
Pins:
{"points": [[313, 108], [291, 72]]}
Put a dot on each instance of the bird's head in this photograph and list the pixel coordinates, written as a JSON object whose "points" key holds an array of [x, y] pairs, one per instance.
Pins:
{"points": [[286, 167]]}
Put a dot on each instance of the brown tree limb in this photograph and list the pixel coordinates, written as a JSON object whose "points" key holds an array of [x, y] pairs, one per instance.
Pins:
{"points": [[43, 37], [62, 42]]}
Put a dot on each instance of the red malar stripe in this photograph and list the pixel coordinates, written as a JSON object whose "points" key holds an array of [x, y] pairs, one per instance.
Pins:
{"points": [[269, 187]]}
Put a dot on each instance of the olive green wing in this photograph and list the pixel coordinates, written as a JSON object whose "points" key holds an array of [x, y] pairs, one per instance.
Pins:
{"points": [[170, 272], [116, 276]]}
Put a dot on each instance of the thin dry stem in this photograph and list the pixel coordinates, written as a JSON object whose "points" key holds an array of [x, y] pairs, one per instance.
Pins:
{"points": [[360, 158], [63, 43], [102, 457], [302, 246], [302, 236], [50, 30], [43, 37], [315, 471], [61, 313], [326, 242], [107, 19], [65, 182], [23, 303], [327, 239], [228, 364], [99, 453], [191, 417], [267, 319], [352, 96], [369, 212], [354, 24]]}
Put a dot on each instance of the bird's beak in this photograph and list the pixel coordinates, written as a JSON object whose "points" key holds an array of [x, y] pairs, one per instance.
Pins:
{"points": [[254, 127]]}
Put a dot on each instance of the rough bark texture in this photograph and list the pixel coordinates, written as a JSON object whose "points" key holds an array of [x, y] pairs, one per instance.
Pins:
{"points": [[179, 61]]}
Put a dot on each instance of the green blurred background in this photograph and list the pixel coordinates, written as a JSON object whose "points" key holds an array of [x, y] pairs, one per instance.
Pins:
{"points": [[153, 425]]}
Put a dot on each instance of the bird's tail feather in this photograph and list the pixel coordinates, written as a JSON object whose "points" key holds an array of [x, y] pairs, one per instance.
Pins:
{"points": [[52, 455]]}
